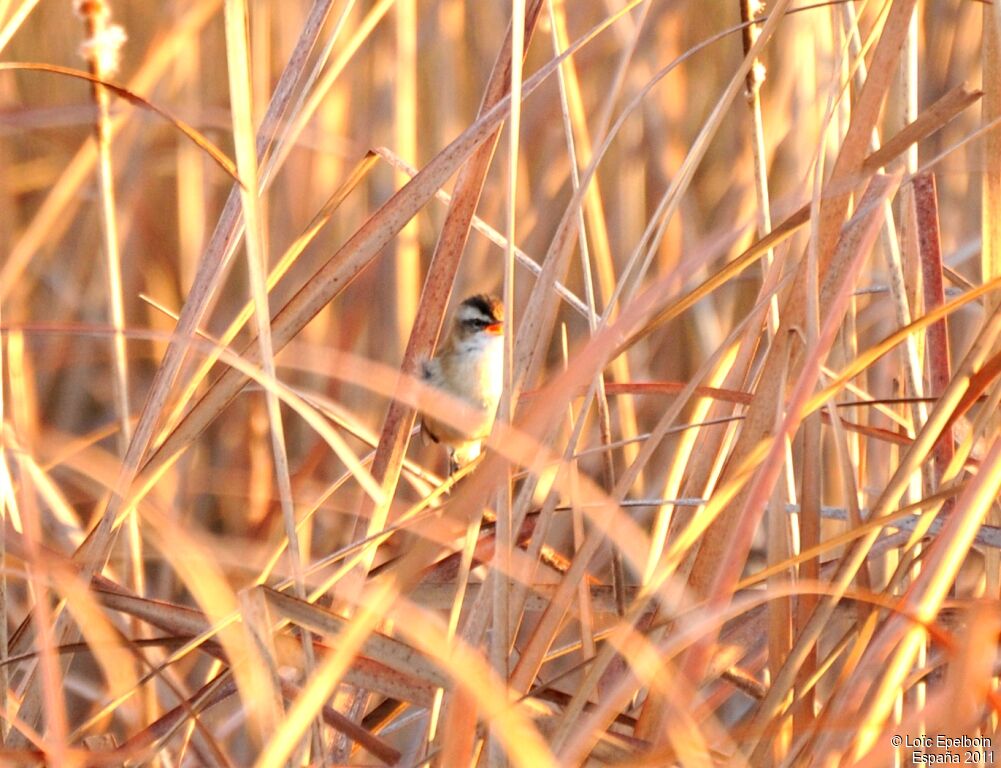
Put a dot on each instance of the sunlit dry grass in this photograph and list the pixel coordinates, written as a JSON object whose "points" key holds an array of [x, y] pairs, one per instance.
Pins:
{"points": [[741, 503]]}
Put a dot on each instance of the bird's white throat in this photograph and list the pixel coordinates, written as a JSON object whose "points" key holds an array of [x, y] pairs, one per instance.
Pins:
{"points": [[478, 369]]}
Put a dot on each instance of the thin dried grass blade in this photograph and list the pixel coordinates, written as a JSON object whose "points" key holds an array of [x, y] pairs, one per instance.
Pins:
{"points": [[217, 155]]}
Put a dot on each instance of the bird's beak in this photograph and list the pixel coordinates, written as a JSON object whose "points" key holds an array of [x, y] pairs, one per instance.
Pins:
{"points": [[495, 329]]}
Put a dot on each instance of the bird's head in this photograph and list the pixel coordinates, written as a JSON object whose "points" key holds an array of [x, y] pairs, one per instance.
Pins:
{"points": [[481, 313]]}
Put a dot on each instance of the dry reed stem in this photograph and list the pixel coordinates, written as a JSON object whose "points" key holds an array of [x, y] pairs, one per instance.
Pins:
{"points": [[990, 255], [778, 525], [256, 241], [930, 249], [101, 50]]}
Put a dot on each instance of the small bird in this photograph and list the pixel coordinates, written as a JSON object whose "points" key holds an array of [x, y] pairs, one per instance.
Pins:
{"points": [[469, 366]]}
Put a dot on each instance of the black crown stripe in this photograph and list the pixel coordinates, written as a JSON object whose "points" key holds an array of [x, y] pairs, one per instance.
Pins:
{"points": [[490, 306]]}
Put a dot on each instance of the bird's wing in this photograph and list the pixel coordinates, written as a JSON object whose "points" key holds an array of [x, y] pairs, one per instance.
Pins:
{"points": [[427, 374]]}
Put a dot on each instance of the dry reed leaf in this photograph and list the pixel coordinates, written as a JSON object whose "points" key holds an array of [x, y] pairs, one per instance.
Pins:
{"points": [[929, 318], [146, 743], [186, 622], [980, 383], [382, 648], [930, 120], [196, 137], [459, 729], [990, 254], [930, 250]]}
